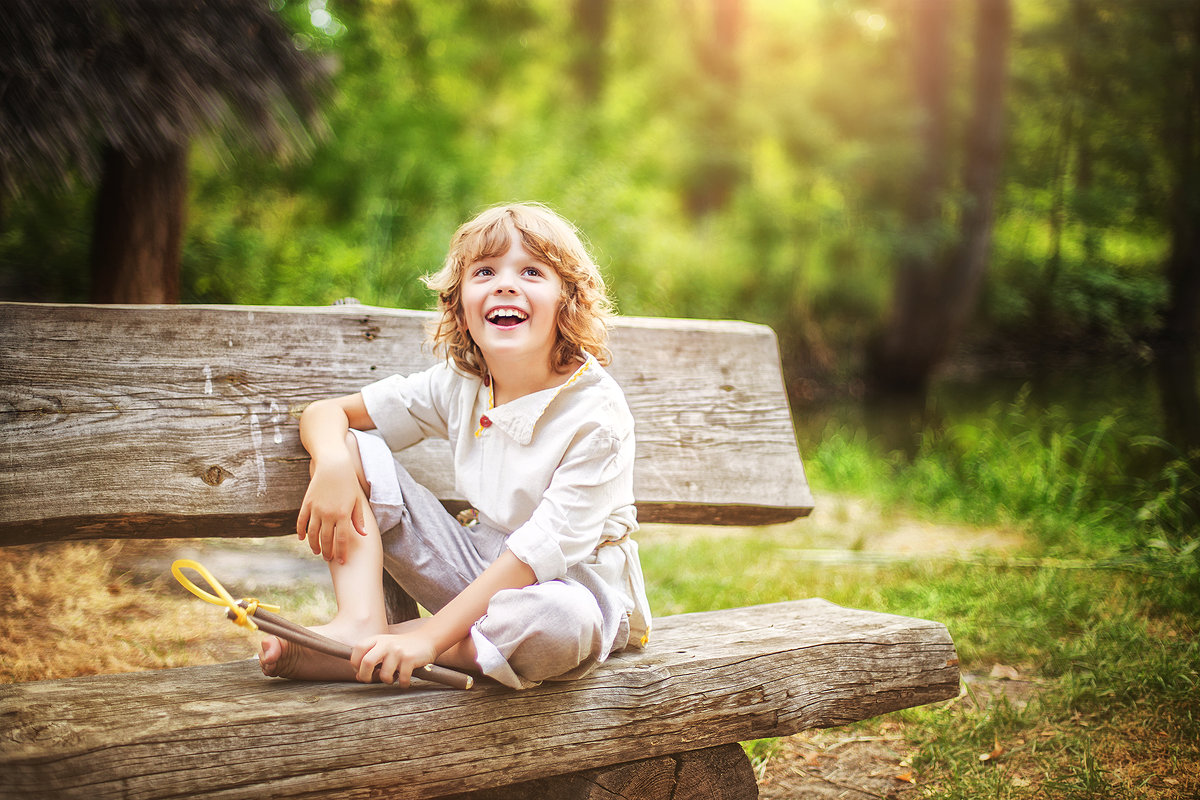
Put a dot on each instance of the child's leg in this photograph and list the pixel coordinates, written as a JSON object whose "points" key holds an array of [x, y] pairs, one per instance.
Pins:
{"points": [[358, 583], [555, 629], [358, 590]]}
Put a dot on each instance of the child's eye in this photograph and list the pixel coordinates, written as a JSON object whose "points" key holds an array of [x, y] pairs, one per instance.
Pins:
{"points": [[532, 272], [482, 272]]}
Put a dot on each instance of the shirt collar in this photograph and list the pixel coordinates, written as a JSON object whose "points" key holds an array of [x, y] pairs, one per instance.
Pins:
{"points": [[520, 417]]}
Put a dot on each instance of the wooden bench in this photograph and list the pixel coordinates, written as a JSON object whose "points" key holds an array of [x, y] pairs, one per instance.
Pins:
{"points": [[180, 421]]}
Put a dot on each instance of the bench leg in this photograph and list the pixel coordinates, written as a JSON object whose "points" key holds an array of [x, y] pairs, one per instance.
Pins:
{"points": [[715, 773]]}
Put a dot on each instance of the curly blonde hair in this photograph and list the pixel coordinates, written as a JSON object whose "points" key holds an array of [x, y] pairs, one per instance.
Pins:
{"points": [[584, 310]]}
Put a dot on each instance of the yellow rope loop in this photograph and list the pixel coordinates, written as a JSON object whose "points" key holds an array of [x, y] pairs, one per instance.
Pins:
{"points": [[242, 616]]}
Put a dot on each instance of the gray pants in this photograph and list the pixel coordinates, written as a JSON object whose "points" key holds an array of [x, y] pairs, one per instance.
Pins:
{"points": [[559, 629]]}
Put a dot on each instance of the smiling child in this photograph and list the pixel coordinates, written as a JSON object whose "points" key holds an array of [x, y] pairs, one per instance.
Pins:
{"points": [[544, 582]]}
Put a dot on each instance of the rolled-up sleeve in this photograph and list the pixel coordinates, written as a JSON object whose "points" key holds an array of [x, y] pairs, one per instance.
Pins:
{"points": [[407, 408], [594, 478]]}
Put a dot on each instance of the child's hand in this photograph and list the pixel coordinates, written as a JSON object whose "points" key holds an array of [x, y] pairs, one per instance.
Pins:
{"points": [[395, 655], [332, 511]]}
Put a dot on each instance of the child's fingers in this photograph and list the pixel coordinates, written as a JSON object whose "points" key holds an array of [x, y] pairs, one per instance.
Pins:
{"points": [[358, 651], [340, 545], [394, 670], [357, 518], [368, 662], [383, 660], [302, 520], [328, 536], [313, 536]]}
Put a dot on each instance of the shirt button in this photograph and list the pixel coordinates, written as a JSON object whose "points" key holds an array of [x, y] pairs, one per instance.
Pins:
{"points": [[484, 422]]}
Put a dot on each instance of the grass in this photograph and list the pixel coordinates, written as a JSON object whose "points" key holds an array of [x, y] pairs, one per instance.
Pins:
{"points": [[1099, 607], [77, 609], [1093, 601]]}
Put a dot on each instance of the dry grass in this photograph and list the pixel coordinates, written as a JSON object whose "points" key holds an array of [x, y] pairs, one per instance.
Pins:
{"points": [[68, 610]]}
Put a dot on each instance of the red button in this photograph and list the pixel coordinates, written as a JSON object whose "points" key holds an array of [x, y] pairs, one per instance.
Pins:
{"points": [[484, 422]]}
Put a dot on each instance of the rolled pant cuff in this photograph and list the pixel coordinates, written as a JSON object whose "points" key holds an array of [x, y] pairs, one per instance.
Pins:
{"points": [[493, 664]]}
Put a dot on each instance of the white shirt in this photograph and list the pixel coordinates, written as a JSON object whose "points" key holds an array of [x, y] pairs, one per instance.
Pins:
{"points": [[555, 468]]}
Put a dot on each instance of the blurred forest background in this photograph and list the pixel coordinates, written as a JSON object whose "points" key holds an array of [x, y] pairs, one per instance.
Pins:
{"points": [[934, 203], [889, 185]]}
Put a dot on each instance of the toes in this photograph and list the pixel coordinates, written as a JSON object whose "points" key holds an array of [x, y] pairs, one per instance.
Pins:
{"points": [[270, 651]]}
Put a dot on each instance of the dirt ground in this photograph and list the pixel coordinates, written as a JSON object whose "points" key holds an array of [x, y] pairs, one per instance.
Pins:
{"points": [[824, 764], [834, 763]]}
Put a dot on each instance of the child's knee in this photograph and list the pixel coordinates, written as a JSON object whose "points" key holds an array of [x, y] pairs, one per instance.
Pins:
{"points": [[558, 638]]}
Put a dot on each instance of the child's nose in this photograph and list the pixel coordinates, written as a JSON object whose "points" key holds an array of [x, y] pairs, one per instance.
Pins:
{"points": [[505, 284]]}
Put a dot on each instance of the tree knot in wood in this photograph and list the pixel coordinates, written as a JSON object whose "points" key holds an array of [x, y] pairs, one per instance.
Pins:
{"points": [[234, 378], [215, 475], [370, 331]]}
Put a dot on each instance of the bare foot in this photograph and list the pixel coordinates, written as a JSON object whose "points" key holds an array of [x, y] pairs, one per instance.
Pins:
{"points": [[283, 659]]}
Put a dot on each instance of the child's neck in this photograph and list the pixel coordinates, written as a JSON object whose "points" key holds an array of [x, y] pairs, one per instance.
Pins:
{"points": [[514, 381]]}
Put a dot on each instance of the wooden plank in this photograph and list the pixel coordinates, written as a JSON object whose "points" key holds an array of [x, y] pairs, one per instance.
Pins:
{"points": [[714, 773], [181, 420], [225, 731]]}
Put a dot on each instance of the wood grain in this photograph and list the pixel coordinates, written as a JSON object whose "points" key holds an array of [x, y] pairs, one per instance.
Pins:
{"points": [[175, 421], [713, 773], [225, 731]]}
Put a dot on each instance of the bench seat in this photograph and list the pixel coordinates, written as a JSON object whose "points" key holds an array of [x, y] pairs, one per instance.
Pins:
{"points": [[708, 678]]}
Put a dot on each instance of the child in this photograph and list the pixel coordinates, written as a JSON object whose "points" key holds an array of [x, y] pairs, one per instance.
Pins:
{"points": [[546, 582]]}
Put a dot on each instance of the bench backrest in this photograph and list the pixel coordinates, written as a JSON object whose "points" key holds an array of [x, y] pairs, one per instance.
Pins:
{"points": [[172, 421]]}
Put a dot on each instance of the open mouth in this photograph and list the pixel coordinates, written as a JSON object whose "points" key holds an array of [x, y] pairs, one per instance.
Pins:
{"points": [[506, 317]]}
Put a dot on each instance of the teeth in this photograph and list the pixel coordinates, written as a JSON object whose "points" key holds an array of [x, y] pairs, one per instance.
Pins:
{"points": [[501, 313]]}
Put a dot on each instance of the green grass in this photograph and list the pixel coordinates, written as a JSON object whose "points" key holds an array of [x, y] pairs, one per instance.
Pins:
{"points": [[1098, 606], [1118, 679]]}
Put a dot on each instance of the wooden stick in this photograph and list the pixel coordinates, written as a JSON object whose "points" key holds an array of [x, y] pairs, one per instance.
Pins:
{"points": [[297, 634]]}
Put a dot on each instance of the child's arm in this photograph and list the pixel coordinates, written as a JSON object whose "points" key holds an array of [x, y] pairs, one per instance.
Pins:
{"points": [[447, 632], [334, 502]]}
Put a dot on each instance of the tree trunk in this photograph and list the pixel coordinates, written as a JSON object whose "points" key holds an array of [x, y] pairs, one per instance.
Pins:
{"points": [[591, 23], [138, 234], [938, 284], [984, 160], [719, 169], [1178, 339], [1176, 351], [899, 359]]}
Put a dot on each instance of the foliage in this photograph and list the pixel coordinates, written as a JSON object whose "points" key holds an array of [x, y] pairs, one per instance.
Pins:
{"points": [[774, 192], [1081, 232], [1169, 528], [83, 76], [763, 183], [1067, 483], [1015, 464]]}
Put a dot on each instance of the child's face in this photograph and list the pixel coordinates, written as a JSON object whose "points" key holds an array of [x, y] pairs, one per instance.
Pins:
{"points": [[510, 305]]}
